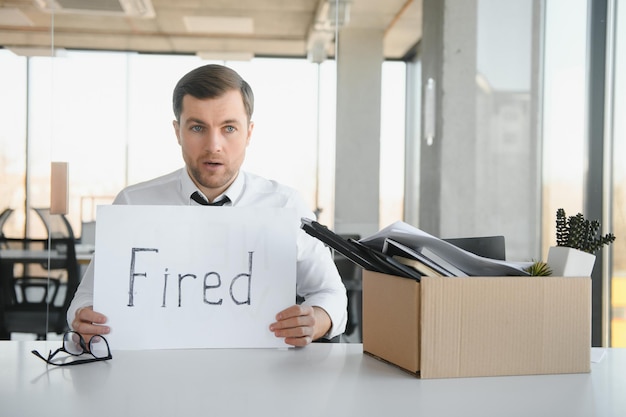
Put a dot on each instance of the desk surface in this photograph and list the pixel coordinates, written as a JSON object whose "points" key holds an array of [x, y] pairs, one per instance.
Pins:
{"points": [[28, 255], [319, 380]]}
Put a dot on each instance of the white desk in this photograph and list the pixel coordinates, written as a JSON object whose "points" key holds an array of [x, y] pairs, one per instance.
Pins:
{"points": [[29, 255], [319, 380]]}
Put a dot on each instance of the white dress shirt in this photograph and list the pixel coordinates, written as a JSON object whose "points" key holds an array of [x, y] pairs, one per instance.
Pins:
{"points": [[317, 279]]}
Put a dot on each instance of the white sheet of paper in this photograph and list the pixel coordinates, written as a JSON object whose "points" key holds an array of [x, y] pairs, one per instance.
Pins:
{"points": [[193, 277]]}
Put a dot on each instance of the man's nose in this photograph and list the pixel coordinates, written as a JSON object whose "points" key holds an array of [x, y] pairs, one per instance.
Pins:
{"points": [[213, 141]]}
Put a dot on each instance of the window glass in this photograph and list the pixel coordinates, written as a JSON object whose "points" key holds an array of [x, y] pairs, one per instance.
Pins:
{"points": [[501, 181], [563, 112], [12, 140], [109, 115], [618, 248], [392, 136], [151, 142], [78, 115]]}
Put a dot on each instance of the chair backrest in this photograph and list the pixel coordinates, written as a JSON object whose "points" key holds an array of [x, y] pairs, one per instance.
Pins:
{"points": [[57, 225], [26, 303], [493, 247], [350, 274], [4, 216], [88, 233]]}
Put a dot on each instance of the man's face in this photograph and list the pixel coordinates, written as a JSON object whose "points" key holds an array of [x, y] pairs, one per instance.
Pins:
{"points": [[213, 135]]}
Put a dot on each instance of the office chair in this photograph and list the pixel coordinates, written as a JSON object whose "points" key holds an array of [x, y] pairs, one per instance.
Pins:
{"points": [[4, 216], [351, 276], [57, 225], [36, 293], [36, 302], [493, 247], [58, 228]]}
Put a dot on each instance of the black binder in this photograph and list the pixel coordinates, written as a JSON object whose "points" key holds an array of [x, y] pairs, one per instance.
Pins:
{"points": [[362, 255]]}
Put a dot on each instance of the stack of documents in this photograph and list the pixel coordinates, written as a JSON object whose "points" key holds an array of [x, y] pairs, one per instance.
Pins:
{"points": [[436, 257], [403, 250]]}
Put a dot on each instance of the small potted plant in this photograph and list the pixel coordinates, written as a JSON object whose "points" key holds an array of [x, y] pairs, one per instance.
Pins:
{"points": [[539, 269], [577, 241]]}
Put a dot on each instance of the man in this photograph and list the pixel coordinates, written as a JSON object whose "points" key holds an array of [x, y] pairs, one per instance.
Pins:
{"points": [[213, 107]]}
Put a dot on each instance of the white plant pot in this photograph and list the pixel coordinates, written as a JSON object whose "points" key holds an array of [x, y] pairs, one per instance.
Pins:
{"points": [[569, 262]]}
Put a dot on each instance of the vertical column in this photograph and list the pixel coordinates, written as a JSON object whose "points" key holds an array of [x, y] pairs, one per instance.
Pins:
{"points": [[447, 185], [431, 152], [357, 155]]}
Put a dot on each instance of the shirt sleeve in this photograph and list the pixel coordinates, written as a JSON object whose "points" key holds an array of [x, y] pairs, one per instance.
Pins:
{"points": [[319, 283], [83, 297], [318, 280]]}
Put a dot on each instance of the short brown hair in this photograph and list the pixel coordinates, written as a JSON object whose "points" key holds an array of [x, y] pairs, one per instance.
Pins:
{"points": [[211, 81]]}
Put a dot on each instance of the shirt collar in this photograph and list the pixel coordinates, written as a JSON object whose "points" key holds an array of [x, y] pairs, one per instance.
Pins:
{"points": [[233, 192]]}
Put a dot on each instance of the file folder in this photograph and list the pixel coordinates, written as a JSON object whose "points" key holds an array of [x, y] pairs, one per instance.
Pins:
{"points": [[362, 255]]}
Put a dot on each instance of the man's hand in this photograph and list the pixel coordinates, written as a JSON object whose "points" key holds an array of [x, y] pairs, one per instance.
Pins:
{"points": [[301, 324], [89, 323]]}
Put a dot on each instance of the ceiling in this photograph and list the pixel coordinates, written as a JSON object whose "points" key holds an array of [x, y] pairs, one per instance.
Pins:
{"points": [[220, 29]]}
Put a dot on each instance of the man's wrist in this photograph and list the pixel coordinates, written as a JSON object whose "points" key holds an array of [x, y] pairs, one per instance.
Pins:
{"points": [[323, 323]]}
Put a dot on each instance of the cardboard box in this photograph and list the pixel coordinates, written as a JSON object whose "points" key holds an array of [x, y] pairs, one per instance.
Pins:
{"points": [[446, 327]]}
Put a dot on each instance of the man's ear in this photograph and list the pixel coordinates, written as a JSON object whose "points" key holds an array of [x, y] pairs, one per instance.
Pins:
{"points": [[176, 130], [250, 128]]}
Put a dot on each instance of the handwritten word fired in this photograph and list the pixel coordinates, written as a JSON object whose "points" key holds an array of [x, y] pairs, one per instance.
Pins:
{"points": [[211, 281]]}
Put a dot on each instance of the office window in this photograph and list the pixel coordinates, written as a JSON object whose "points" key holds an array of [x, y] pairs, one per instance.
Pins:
{"points": [[564, 131], [563, 112], [109, 115], [618, 288], [12, 139], [392, 126], [501, 181], [78, 111], [293, 139]]}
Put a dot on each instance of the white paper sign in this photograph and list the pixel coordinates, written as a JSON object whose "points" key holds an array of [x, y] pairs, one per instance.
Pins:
{"points": [[193, 277]]}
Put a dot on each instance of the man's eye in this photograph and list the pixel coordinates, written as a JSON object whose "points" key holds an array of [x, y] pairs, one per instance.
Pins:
{"points": [[230, 129], [196, 128]]}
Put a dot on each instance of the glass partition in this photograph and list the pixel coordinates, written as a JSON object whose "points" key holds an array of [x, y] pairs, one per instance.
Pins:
{"points": [[13, 85]]}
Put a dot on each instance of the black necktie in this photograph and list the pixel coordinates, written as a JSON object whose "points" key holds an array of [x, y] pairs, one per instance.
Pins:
{"points": [[198, 199]]}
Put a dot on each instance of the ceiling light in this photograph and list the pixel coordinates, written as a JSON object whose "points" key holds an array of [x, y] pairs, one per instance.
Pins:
{"points": [[225, 56], [219, 24], [132, 8], [332, 14]]}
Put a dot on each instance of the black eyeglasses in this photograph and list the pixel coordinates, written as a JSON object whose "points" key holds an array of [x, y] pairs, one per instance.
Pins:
{"points": [[75, 345]]}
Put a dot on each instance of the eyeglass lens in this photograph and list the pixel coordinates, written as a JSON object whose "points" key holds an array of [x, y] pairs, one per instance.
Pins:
{"points": [[98, 347], [74, 344]]}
